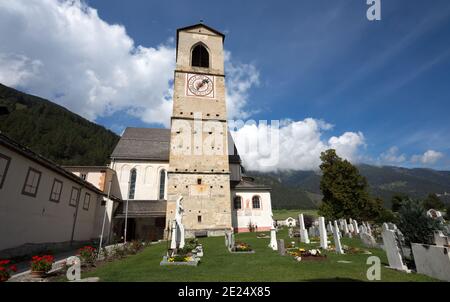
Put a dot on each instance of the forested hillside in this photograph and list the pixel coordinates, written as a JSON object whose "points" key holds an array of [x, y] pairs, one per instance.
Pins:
{"points": [[53, 131]]}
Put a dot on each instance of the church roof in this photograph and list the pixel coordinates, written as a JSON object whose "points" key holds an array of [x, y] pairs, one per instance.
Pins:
{"points": [[247, 183], [200, 25], [143, 143], [152, 144]]}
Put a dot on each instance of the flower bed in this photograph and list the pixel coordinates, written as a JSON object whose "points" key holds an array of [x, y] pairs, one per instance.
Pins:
{"points": [[40, 265], [302, 254], [189, 255], [242, 248], [88, 255], [6, 268]]}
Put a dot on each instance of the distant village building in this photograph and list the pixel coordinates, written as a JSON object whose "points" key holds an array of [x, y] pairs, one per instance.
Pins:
{"points": [[43, 203]]}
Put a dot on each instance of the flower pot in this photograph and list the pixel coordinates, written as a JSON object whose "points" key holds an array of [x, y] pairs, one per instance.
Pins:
{"points": [[38, 274]]}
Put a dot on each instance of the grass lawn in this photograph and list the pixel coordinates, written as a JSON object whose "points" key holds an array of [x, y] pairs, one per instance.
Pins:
{"points": [[283, 214], [265, 265]]}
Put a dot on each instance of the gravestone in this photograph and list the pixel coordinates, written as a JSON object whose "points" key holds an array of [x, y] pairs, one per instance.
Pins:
{"points": [[440, 239], [337, 239], [355, 226], [330, 228], [323, 233], [290, 233], [311, 232], [273, 239], [303, 233], [281, 248], [392, 249], [369, 230], [368, 240], [346, 231], [351, 229], [431, 260]]}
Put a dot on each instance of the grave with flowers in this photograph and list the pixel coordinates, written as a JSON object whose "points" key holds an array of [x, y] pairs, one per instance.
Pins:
{"points": [[6, 270]]}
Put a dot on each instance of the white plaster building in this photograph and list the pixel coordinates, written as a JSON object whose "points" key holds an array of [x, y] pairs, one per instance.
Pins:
{"points": [[41, 204]]}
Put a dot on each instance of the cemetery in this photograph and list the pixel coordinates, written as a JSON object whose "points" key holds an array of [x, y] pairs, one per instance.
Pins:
{"points": [[338, 252]]}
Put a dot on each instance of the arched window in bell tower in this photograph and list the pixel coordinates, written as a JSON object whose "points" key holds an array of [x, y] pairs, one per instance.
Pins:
{"points": [[200, 56]]}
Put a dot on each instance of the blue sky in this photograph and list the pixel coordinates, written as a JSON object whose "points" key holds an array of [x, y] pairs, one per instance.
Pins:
{"points": [[320, 59]]}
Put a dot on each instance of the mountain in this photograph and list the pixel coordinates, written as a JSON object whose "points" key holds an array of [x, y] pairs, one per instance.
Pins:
{"points": [[53, 131], [301, 189]]}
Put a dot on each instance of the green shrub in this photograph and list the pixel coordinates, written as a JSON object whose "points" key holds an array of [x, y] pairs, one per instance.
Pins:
{"points": [[414, 223]]}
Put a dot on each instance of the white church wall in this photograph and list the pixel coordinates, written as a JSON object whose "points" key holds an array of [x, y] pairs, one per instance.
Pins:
{"points": [[147, 178], [262, 217]]}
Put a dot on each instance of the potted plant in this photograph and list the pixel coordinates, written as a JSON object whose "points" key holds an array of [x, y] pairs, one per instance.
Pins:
{"points": [[40, 265], [88, 255], [6, 269]]}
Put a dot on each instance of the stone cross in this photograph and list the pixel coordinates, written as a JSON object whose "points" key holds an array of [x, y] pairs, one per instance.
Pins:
{"points": [[392, 249], [281, 249], [337, 239], [323, 234], [273, 239], [303, 233]]}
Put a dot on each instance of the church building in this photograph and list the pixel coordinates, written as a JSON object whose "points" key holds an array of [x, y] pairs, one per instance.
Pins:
{"points": [[195, 159]]}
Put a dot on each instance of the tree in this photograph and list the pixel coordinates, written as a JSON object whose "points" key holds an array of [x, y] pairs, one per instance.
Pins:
{"points": [[415, 224], [397, 200], [345, 190], [433, 202]]}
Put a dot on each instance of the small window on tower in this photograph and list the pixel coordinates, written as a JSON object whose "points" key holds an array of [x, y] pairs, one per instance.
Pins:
{"points": [[199, 218], [200, 56], [199, 181]]}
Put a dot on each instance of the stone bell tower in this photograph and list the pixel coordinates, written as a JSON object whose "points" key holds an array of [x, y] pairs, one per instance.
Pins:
{"points": [[198, 165]]}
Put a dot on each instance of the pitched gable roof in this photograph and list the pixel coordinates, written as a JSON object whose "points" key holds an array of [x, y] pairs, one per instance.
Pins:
{"points": [[143, 143]]}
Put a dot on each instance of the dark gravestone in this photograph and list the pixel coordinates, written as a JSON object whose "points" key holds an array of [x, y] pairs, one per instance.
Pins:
{"points": [[281, 249]]}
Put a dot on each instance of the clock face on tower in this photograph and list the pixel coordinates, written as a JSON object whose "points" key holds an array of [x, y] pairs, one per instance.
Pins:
{"points": [[200, 85]]}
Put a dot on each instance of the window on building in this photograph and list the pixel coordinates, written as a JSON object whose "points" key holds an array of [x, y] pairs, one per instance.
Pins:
{"points": [[83, 176], [31, 185], [87, 201], [237, 203], [200, 56], [199, 181], [199, 218], [133, 175], [55, 195], [4, 165], [256, 202], [74, 196], [162, 184]]}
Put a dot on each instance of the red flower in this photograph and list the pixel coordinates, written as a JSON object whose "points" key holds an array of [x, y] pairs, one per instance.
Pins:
{"points": [[13, 268]]}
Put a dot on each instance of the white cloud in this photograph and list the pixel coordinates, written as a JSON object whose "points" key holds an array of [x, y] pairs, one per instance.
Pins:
{"points": [[392, 156], [63, 51], [294, 145], [240, 78], [430, 157]]}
